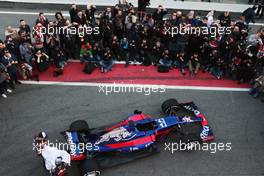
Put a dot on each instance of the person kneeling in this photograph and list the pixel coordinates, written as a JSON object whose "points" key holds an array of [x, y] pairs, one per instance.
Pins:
{"points": [[194, 64], [165, 60], [107, 61], [258, 87]]}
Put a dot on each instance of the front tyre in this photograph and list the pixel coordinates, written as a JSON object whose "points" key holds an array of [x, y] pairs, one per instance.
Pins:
{"points": [[170, 106], [90, 167], [80, 126]]}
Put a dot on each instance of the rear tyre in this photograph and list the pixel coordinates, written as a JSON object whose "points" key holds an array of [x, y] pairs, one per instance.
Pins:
{"points": [[90, 167], [80, 126], [170, 106]]}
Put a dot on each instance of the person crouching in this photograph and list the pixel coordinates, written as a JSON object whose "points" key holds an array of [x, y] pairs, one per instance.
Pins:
{"points": [[107, 61], [165, 60], [194, 64]]}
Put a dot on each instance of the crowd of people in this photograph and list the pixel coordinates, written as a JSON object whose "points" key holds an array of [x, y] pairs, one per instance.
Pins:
{"points": [[122, 33]]}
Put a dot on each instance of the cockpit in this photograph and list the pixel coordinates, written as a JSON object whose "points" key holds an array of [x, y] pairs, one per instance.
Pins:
{"points": [[144, 126]]}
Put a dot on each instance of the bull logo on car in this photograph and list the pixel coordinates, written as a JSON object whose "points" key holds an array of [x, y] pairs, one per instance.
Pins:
{"points": [[117, 134]]}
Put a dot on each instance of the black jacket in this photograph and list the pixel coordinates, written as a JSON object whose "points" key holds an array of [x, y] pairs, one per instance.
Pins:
{"points": [[73, 13], [224, 20], [249, 15]]}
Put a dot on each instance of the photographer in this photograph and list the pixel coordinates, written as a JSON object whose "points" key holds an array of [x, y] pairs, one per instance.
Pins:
{"points": [[254, 41], [158, 15], [13, 47], [218, 67], [194, 64], [10, 62], [41, 60], [60, 23], [224, 19], [79, 19], [42, 19], [59, 61], [24, 27], [144, 53], [258, 87], [86, 54], [108, 14], [4, 85], [260, 8], [107, 61], [116, 49], [26, 51], [70, 43], [2, 48], [142, 5], [181, 62], [130, 22], [90, 13], [165, 59], [118, 25], [73, 12], [157, 51], [132, 50], [124, 48], [245, 71], [97, 52], [38, 38]]}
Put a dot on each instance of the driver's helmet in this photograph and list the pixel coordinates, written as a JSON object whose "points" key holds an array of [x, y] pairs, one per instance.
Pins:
{"points": [[41, 137], [40, 140]]}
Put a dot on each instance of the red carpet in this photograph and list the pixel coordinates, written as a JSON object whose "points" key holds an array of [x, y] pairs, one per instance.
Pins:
{"points": [[137, 75]]}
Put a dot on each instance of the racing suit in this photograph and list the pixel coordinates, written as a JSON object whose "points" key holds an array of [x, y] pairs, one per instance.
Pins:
{"points": [[50, 154]]}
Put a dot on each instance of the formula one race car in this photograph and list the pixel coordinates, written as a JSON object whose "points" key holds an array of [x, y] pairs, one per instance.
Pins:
{"points": [[135, 137]]}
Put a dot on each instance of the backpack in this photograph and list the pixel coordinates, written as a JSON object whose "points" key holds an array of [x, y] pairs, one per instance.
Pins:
{"points": [[89, 67]]}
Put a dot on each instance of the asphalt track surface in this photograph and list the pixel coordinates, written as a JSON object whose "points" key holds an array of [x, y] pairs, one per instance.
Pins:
{"points": [[234, 116]]}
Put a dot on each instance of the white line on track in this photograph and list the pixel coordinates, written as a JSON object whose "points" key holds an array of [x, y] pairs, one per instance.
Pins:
{"points": [[85, 84], [67, 15]]}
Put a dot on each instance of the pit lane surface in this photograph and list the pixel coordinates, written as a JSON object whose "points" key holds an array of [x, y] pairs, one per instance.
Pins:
{"points": [[234, 116]]}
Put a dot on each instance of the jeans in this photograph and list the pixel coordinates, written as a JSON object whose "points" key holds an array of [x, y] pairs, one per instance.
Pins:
{"points": [[255, 92], [217, 72], [107, 65], [179, 64], [165, 62], [194, 67], [86, 58]]}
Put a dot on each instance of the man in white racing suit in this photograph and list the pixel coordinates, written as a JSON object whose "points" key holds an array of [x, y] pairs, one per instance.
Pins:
{"points": [[52, 156]]}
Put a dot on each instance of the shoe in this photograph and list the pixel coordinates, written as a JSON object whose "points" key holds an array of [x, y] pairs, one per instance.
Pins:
{"points": [[9, 90], [4, 96]]}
